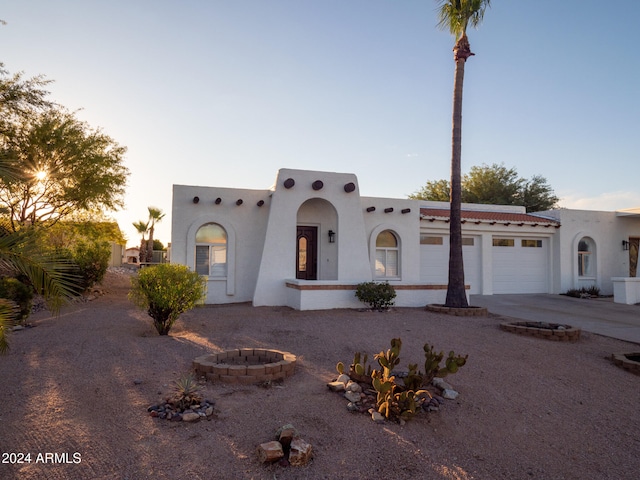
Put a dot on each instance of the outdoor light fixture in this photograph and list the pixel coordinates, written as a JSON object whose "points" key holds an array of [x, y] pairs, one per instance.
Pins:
{"points": [[625, 245], [332, 236]]}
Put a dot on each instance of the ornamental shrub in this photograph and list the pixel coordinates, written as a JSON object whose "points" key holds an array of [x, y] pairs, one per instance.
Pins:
{"points": [[378, 295], [14, 290], [92, 260], [166, 291]]}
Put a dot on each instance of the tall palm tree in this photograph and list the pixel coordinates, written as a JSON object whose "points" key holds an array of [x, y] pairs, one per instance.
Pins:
{"points": [[142, 227], [456, 16], [155, 215]]}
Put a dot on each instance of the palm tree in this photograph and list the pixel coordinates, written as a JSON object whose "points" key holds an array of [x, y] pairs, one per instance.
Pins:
{"points": [[142, 227], [155, 215], [456, 16]]}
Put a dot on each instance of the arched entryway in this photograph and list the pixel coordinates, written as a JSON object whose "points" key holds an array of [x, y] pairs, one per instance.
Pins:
{"points": [[317, 241]]}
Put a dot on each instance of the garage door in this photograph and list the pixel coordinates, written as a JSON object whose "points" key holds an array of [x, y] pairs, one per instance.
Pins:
{"points": [[520, 265], [434, 260]]}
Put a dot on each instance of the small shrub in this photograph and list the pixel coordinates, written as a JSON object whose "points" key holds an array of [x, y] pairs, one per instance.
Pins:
{"points": [[584, 292], [19, 293], [166, 291], [92, 260], [378, 295]]}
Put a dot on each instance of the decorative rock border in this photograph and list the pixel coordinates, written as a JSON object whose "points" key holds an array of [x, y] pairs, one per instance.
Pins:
{"points": [[459, 312], [548, 331], [623, 360], [246, 366]]}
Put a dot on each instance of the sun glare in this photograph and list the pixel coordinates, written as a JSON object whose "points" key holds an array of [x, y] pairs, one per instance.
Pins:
{"points": [[41, 175]]}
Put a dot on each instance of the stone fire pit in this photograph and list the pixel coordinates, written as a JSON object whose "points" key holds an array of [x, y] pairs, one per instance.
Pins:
{"points": [[246, 366], [548, 331], [628, 361]]}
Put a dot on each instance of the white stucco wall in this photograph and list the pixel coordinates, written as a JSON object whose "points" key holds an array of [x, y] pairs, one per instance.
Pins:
{"points": [[245, 225], [607, 231]]}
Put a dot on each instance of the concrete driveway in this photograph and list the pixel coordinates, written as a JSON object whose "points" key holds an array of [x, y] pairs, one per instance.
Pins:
{"points": [[600, 315]]}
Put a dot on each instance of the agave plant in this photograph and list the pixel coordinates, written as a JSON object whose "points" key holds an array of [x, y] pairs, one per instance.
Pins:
{"points": [[186, 392]]}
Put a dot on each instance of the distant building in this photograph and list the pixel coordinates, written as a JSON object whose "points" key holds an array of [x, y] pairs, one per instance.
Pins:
{"points": [[311, 238]]}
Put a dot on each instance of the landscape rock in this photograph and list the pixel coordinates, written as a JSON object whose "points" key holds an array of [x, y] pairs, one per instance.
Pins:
{"points": [[344, 378], [270, 451], [441, 384], [352, 396], [300, 453], [354, 387], [450, 394], [377, 417], [190, 417], [336, 386]]}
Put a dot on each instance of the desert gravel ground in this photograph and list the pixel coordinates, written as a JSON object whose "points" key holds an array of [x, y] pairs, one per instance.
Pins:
{"points": [[80, 384]]}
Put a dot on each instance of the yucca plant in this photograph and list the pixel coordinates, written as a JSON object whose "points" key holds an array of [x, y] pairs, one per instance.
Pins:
{"points": [[186, 392]]}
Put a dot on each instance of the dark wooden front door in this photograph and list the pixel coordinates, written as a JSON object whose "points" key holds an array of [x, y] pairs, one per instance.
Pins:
{"points": [[634, 244], [307, 253]]}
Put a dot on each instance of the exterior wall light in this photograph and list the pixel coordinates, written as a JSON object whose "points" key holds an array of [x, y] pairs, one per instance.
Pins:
{"points": [[625, 245], [332, 236]]}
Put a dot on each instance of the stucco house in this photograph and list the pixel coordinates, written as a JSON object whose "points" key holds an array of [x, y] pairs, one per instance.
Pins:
{"points": [[307, 241]]}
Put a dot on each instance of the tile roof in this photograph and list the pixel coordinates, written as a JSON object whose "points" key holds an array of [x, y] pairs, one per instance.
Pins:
{"points": [[505, 218]]}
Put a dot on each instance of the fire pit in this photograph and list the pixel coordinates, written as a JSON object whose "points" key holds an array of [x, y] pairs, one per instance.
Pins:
{"points": [[246, 366], [628, 361]]}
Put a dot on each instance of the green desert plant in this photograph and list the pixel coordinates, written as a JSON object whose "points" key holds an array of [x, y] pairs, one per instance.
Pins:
{"points": [[378, 295], [186, 392], [166, 291], [92, 260], [14, 290]]}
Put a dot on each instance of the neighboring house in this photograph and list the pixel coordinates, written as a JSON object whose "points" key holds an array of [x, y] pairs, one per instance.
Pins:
{"points": [[132, 255], [311, 238]]}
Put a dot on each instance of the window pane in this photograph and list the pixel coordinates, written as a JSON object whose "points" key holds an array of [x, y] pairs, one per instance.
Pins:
{"points": [[503, 242], [202, 260], [386, 239], [427, 240], [381, 260], [468, 241], [211, 233], [302, 254], [392, 263], [218, 260], [532, 243]]}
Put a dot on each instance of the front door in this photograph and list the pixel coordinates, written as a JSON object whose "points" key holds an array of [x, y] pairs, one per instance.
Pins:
{"points": [[307, 253], [633, 256]]}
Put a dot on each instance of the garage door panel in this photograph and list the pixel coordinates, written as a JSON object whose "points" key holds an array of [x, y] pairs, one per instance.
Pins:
{"points": [[521, 269]]}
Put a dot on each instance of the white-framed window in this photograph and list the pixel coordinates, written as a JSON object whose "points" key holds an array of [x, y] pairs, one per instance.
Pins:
{"points": [[387, 255], [211, 250], [503, 242], [586, 267], [531, 243], [430, 240]]}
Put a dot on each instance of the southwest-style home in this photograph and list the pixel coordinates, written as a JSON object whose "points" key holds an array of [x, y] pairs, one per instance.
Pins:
{"points": [[307, 241]]}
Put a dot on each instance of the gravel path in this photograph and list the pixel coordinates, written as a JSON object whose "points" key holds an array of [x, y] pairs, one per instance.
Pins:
{"points": [[79, 385]]}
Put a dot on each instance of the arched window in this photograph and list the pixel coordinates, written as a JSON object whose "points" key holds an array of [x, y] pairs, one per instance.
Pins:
{"points": [[387, 255], [586, 258], [211, 250]]}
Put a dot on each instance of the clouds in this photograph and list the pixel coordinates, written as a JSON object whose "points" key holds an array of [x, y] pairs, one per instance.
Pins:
{"points": [[608, 201]]}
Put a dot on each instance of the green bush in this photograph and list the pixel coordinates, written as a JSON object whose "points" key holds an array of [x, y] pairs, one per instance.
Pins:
{"points": [[583, 292], [19, 293], [379, 296], [166, 291], [92, 260]]}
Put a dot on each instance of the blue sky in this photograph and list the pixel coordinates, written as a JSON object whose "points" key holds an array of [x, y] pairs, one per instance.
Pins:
{"points": [[226, 92]]}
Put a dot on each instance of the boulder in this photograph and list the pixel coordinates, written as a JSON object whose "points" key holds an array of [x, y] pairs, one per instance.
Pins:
{"points": [[270, 451], [300, 453]]}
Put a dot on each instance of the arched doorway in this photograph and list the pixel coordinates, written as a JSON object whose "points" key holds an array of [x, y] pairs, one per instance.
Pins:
{"points": [[316, 248]]}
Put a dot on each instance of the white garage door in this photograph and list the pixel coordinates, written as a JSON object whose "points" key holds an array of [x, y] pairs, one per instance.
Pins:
{"points": [[434, 260], [520, 265]]}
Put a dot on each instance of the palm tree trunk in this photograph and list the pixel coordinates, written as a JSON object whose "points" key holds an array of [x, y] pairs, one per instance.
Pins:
{"points": [[456, 294]]}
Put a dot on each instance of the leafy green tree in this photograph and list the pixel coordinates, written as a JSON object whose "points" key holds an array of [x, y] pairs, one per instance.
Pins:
{"points": [[456, 16], [158, 245], [65, 167], [495, 184]]}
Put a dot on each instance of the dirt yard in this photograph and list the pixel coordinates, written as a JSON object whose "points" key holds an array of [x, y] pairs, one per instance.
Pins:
{"points": [[75, 391]]}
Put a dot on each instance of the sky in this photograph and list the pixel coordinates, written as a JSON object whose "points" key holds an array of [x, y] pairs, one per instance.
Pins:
{"points": [[226, 92]]}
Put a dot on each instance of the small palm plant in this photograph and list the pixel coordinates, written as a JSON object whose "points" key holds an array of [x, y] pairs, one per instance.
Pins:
{"points": [[186, 392]]}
